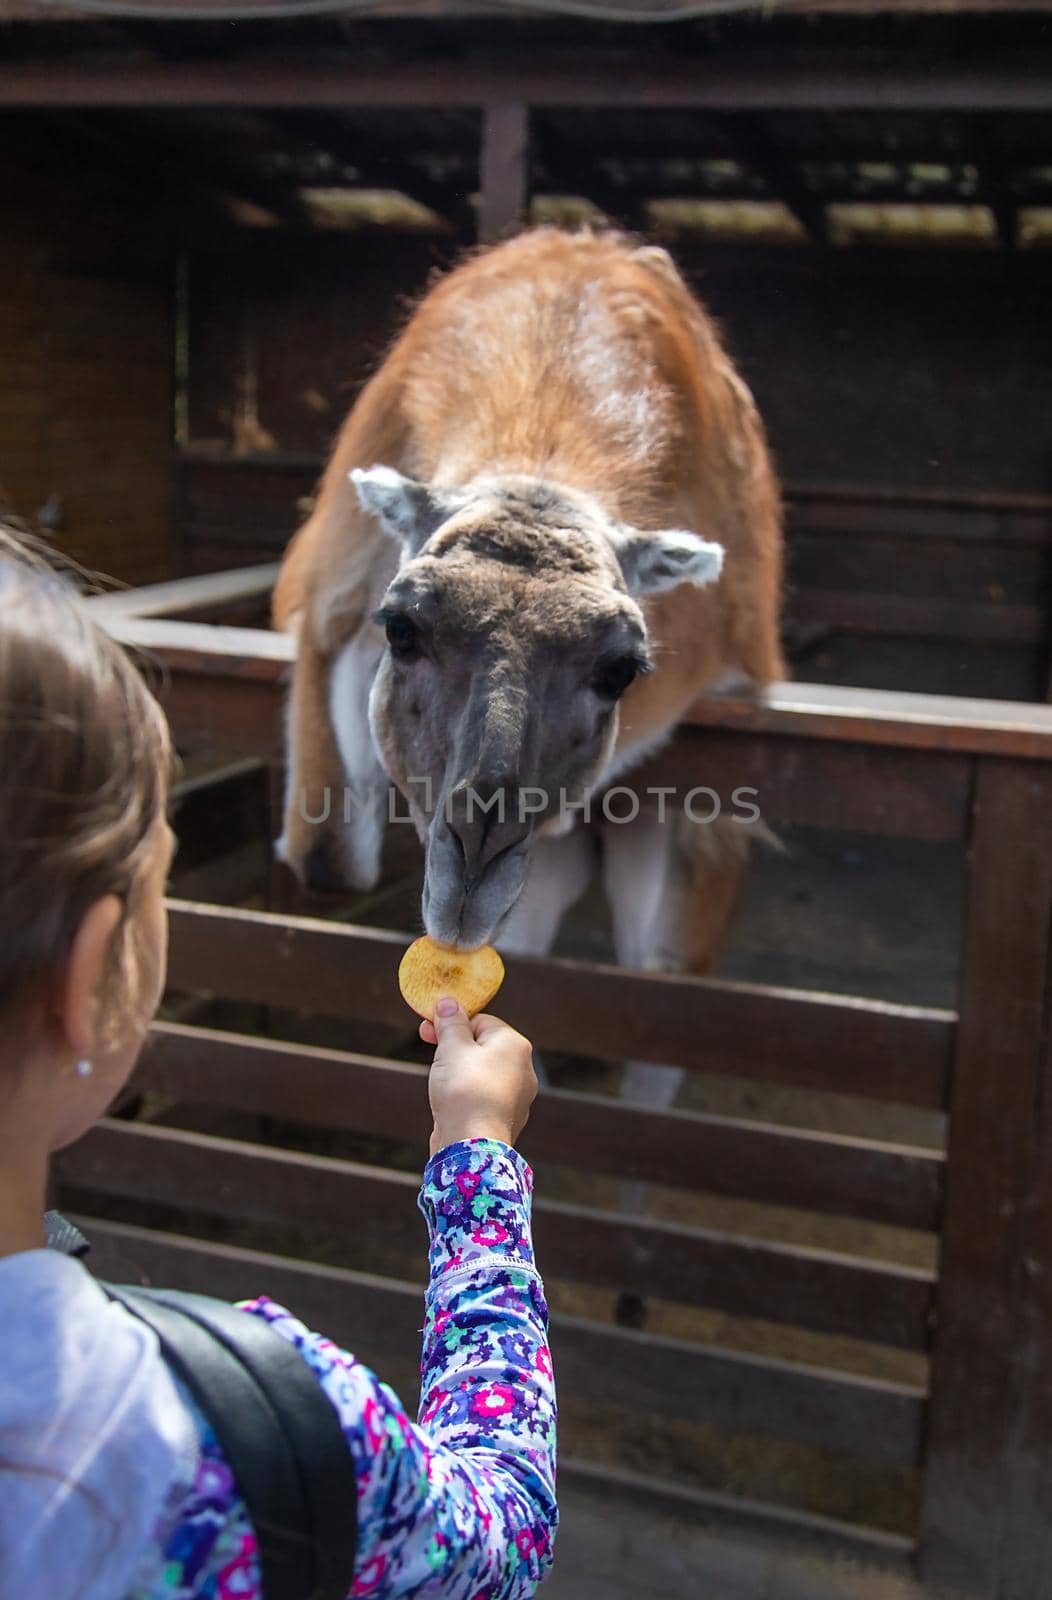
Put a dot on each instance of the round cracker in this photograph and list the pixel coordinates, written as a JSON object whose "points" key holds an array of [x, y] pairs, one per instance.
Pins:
{"points": [[429, 970]]}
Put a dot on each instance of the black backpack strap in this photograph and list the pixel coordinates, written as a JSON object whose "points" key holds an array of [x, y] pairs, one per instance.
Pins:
{"points": [[279, 1433]]}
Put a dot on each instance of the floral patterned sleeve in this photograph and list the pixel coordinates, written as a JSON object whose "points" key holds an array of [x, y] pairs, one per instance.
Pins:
{"points": [[461, 1504]]}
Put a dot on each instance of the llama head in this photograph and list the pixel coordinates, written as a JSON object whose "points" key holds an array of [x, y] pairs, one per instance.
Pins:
{"points": [[513, 627]]}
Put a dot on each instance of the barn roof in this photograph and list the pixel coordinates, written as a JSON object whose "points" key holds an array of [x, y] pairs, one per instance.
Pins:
{"points": [[810, 122]]}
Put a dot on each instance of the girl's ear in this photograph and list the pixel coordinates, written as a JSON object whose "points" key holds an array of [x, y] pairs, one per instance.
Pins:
{"points": [[77, 1000]]}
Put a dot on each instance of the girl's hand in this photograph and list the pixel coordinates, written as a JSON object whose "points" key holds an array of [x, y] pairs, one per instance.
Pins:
{"points": [[482, 1081]]}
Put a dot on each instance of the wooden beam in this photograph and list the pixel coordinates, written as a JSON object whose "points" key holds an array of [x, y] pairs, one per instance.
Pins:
{"points": [[818, 785], [205, 646], [995, 180], [773, 1165], [831, 1292], [726, 1512], [1025, 1544], [574, 172], [504, 170], [620, 204], [762, 152], [627, 200], [379, 1318], [887, 716], [376, 167], [918, 616], [212, 591], [1016, 84], [981, 1351], [869, 1048], [211, 655]]}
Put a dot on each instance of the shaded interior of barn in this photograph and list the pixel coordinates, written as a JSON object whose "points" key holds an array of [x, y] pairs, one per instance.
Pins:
{"points": [[212, 285], [191, 296]]}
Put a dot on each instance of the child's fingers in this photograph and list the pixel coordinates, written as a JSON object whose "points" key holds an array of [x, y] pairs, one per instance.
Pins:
{"points": [[483, 1027], [485, 1024]]}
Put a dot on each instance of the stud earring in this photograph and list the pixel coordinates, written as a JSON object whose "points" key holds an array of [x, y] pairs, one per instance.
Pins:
{"points": [[84, 1069]]}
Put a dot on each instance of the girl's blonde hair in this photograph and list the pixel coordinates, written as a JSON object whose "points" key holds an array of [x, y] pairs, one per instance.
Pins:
{"points": [[84, 759]]}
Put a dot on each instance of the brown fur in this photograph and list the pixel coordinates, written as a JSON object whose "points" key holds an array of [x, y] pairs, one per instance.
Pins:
{"points": [[583, 361]]}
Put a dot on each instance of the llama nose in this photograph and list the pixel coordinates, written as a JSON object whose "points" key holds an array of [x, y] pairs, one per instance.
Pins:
{"points": [[483, 816]]}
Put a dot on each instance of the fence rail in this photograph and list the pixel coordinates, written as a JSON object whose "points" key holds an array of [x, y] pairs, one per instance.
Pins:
{"points": [[832, 1293], [774, 1164], [790, 1036], [902, 765]]}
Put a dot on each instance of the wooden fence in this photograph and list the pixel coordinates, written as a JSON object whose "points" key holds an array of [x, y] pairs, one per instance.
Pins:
{"points": [[925, 588], [891, 764]]}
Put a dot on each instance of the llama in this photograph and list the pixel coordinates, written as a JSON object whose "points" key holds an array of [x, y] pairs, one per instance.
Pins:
{"points": [[549, 522]]}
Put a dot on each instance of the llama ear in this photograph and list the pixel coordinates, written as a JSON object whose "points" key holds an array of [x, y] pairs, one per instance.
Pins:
{"points": [[651, 562], [409, 511]]}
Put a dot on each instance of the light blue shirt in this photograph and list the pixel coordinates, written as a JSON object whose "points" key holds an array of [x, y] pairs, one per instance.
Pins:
{"points": [[97, 1446]]}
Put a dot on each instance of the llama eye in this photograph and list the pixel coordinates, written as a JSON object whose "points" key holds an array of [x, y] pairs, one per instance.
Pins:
{"points": [[402, 636], [613, 677]]}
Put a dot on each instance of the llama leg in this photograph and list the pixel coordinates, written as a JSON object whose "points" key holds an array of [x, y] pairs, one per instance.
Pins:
{"points": [[560, 871], [673, 887], [336, 790], [638, 866], [366, 787], [313, 773]]}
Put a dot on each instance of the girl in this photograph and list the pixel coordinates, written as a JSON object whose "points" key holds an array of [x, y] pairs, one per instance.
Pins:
{"points": [[112, 1484]]}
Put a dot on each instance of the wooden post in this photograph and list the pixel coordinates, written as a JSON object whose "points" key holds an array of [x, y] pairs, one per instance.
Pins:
{"points": [[1026, 1544], [504, 169], [984, 1366]]}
